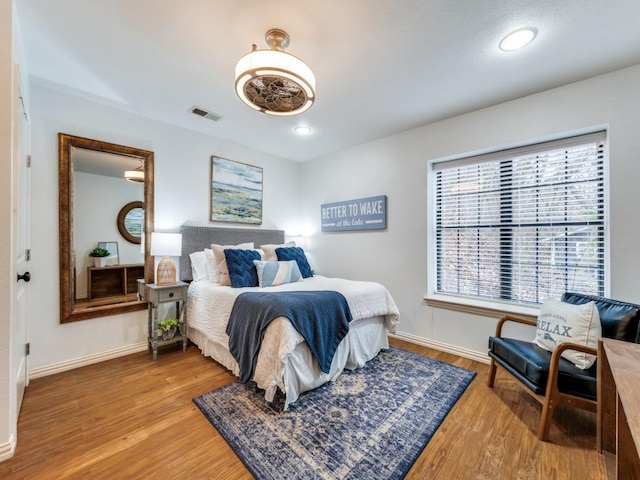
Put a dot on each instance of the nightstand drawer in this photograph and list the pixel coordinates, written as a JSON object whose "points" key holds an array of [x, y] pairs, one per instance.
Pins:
{"points": [[171, 295]]}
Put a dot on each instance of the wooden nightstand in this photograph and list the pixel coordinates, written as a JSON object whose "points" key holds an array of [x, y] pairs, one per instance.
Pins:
{"points": [[157, 294]]}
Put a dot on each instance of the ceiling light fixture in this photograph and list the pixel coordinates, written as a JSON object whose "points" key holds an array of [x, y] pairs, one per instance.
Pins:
{"points": [[135, 176], [273, 81], [518, 39], [302, 130]]}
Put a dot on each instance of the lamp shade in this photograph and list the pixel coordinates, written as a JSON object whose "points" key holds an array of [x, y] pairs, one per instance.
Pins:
{"points": [[143, 244], [273, 81], [166, 244]]}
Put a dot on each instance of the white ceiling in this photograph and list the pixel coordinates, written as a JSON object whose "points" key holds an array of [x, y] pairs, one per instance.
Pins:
{"points": [[382, 66]]}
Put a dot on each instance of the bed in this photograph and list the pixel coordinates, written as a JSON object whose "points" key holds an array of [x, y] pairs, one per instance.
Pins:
{"points": [[285, 362]]}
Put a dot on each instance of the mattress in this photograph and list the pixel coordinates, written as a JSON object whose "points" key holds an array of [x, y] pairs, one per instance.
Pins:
{"points": [[285, 361]]}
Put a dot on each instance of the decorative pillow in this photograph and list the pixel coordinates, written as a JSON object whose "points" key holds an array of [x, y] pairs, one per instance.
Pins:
{"points": [[560, 322], [222, 273], [242, 271], [297, 254], [198, 266], [270, 250], [212, 266], [271, 274]]}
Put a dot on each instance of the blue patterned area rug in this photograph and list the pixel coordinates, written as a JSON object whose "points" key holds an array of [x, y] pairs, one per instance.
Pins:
{"points": [[371, 423]]}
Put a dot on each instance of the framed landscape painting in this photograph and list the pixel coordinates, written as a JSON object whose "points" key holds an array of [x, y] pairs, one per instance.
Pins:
{"points": [[236, 192]]}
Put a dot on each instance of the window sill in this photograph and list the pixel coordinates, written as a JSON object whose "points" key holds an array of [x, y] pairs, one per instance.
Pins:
{"points": [[480, 307]]}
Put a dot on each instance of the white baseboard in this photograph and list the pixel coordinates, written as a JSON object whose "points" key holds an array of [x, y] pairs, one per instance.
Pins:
{"points": [[8, 449], [443, 347], [84, 361]]}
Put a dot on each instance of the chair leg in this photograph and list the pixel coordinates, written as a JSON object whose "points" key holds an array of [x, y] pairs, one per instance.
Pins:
{"points": [[492, 374], [546, 419]]}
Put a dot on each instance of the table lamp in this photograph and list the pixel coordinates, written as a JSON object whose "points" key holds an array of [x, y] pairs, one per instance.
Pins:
{"points": [[166, 245]]}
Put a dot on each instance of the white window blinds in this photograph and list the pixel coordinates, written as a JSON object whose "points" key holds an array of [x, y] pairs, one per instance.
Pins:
{"points": [[523, 224]]}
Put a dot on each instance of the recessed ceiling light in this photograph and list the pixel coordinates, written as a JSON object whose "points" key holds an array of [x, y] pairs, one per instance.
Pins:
{"points": [[518, 39], [302, 130]]}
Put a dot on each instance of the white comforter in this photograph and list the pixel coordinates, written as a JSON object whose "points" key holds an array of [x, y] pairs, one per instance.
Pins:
{"points": [[210, 305]]}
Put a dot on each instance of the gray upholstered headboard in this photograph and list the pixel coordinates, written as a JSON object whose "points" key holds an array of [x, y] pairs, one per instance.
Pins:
{"points": [[196, 238]]}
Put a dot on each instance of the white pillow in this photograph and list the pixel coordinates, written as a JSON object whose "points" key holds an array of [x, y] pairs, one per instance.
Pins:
{"points": [[198, 266], [560, 322], [221, 261], [212, 268], [270, 250]]}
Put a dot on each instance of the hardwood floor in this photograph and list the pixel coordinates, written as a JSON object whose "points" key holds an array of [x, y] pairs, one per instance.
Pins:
{"points": [[132, 418]]}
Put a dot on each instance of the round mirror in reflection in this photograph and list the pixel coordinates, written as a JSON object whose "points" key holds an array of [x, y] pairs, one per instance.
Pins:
{"points": [[131, 221]]}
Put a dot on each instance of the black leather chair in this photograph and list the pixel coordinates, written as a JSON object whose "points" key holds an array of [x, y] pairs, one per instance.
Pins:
{"points": [[553, 380]]}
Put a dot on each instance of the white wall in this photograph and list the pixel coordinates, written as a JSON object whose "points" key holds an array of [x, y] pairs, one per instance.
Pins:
{"points": [[397, 167], [181, 194]]}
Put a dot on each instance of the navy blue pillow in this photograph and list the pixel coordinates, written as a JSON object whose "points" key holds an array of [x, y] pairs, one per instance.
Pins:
{"points": [[297, 254], [242, 271]]}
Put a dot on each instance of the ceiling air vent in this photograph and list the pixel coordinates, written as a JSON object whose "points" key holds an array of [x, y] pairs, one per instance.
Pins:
{"points": [[201, 112]]}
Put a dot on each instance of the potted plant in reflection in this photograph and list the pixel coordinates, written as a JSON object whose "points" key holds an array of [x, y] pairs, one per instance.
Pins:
{"points": [[99, 256], [168, 327]]}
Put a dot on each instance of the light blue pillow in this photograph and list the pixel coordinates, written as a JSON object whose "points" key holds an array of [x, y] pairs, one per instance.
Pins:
{"points": [[277, 273]]}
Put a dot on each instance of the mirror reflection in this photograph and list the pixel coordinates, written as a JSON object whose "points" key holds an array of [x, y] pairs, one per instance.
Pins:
{"points": [[131, 221], [110, 252], [99, 267]]}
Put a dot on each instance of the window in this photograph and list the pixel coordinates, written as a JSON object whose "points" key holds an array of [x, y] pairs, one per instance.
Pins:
{"points": [[523, 224]]}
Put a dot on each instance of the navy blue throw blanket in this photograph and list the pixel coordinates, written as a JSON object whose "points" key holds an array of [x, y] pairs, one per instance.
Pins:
{"points": [[322, 317]]}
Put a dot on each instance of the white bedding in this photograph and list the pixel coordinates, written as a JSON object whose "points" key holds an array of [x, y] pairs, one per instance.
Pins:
{"points": [[285, 360]]}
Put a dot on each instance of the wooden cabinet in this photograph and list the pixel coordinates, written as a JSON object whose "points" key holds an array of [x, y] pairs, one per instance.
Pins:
{"points": [[618, 434], [116, 280]]}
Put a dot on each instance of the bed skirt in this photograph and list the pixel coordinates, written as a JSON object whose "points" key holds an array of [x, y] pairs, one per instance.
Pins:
{"points": [[299, 371]]}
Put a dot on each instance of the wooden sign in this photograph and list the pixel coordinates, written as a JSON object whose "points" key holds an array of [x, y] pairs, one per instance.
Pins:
{"points": [[360, 214]]}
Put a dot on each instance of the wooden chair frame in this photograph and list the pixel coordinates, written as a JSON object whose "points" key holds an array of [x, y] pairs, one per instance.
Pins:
{"points": [[553, 396]]}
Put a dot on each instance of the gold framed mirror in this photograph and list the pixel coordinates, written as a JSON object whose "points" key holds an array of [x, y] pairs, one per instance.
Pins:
{"points": [[92, 187]]}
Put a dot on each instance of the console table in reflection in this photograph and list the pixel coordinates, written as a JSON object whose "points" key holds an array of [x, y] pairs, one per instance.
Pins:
{"points": [[113, 280]]}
